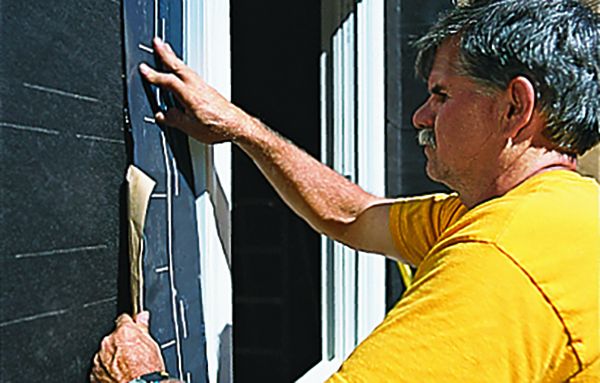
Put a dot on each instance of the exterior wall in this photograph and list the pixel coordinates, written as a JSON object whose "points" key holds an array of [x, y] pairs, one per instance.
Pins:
{"points": [[63, 249], [65, 149]]}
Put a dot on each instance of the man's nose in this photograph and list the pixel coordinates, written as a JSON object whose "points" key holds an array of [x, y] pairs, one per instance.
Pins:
{"points": [[423, 117]]}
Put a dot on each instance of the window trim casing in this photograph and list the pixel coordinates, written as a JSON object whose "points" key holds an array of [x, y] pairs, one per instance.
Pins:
{"points": [[206, 42]]}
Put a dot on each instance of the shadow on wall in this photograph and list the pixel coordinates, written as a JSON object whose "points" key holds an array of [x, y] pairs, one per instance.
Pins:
{"points": [[589, 163], [225, 368]]}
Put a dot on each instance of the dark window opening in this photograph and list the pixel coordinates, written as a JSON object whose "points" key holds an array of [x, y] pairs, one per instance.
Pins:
{"points": [[276, 256]]}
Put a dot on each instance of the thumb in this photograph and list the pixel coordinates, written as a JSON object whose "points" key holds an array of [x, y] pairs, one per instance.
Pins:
{"points": [[143, 319], [172, 117], [178, 119]]}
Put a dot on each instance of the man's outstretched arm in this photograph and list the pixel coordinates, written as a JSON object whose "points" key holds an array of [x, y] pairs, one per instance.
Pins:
{"points": [[330, 203]]}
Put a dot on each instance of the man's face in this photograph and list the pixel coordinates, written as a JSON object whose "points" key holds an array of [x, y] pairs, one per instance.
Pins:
{"points": [[464, 122]]}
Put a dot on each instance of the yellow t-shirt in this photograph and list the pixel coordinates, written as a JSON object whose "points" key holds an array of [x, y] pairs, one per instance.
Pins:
{"points": [[508, 291]]}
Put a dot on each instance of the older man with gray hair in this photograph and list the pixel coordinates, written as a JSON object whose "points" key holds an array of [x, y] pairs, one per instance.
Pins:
{"points": [[507, 282]]}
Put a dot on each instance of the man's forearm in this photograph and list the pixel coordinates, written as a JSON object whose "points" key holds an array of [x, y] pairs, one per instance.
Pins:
{"points": [[325, 199]]}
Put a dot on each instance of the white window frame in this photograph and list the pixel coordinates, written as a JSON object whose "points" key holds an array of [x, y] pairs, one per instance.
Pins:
{"points": [[206, 41], [352, 283]]}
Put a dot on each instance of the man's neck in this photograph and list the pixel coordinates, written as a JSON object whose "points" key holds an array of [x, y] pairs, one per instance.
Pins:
{"points": [[519, 171]]}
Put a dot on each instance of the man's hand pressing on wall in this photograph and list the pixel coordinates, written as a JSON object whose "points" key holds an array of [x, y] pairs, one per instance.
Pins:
{"points": [[127, 353]]}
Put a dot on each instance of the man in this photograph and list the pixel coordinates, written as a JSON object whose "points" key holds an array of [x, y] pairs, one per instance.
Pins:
{"points": [[507, 282]]}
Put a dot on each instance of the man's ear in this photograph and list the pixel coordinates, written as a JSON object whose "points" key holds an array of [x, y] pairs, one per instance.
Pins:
{"points": [[520, 107]]}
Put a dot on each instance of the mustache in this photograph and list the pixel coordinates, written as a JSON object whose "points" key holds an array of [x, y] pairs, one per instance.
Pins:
{"points": [[426, 137]]}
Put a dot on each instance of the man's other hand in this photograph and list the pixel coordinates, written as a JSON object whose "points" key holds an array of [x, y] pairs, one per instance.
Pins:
{"points": [[207, 115], [127, 353]]}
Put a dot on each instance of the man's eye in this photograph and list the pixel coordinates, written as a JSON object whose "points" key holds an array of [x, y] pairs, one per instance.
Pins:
{"points": [[442, 96], [439, 97]]}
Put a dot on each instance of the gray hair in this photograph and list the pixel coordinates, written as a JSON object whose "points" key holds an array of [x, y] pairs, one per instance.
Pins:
{"points": [[554, 43]]}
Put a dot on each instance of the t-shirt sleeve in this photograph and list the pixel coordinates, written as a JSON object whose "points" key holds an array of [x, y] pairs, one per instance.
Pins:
{"points": [[416, 223], [474, 317]]}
